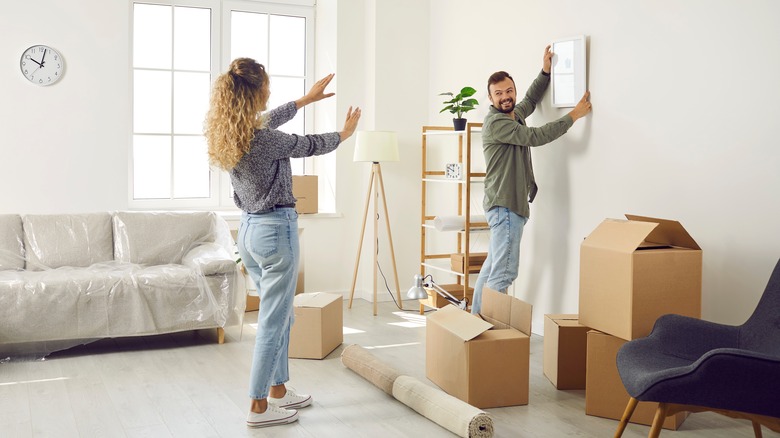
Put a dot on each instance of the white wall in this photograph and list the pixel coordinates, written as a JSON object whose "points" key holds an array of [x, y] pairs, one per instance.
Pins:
{"points": [[684, 101], [65, 147], [683, 127]]}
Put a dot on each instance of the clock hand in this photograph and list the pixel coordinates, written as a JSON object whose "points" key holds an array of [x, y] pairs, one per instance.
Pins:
{"points": [[39, 64], [43, 57]]}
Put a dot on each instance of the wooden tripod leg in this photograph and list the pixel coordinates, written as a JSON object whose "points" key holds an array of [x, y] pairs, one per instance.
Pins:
{"points": [[390, 237], [658, 421], [632, 402], [360, 242], [374, 174]]}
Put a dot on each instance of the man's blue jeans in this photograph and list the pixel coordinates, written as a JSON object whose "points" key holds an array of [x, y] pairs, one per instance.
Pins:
{"points": [[268, 246], [500, 267]]}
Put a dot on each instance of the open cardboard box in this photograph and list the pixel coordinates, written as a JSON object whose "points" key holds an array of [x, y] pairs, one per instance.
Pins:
{"points": [[483, 361], [633, 271]]}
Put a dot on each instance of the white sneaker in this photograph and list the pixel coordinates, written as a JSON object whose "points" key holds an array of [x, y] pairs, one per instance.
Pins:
{"points": [[291, 400], [272, 416]]}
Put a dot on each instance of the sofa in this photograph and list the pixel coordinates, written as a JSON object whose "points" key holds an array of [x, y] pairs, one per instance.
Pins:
{"points": [[72, 278]]}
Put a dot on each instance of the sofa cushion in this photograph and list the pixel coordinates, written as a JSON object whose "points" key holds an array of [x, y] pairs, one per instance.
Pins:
{"points": [[159, 238], [11, 242], [162, 299], [78, 240], [65, 303]]}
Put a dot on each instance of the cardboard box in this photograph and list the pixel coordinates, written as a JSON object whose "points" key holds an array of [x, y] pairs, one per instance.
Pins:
{"points": [[252, 303], [605, 395], [482, 361], [476, 259], [437, 301], [633, 271], [318, 327], [305, 191], [565, 351]]}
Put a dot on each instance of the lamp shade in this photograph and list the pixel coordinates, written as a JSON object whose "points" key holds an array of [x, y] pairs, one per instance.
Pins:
{"points": [[376, 146], [417, 291]]}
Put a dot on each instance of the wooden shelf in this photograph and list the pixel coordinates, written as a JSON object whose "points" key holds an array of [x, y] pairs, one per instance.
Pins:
{"points": [[434, 177]]}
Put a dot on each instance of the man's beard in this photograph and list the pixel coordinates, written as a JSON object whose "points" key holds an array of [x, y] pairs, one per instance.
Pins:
{"points": [[500, 106]]}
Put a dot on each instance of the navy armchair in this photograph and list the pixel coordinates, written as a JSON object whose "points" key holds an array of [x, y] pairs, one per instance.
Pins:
{"points": [[687, 364]]}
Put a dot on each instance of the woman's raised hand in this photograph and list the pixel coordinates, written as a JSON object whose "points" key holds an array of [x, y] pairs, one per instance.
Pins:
{"points": [[317, 92]]}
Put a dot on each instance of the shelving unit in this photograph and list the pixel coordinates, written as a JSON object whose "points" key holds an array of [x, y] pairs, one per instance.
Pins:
{"points": [[432, 177]]}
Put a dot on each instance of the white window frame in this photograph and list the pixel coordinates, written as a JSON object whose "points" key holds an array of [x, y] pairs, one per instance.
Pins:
{"points": [[219, 181]]}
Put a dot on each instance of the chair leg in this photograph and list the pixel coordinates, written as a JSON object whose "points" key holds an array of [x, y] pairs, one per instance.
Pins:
{"points": [[658, 421], [757, 430], [632, 402]]}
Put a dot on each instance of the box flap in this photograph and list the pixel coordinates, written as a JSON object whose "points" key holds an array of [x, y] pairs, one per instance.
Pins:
{"points": [[563, 316], [461, 323], [667, 232], [619, 235], [315, 299], [506, 309]]}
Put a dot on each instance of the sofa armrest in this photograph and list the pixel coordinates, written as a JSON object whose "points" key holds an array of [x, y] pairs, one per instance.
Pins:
{"points": [[209, 259]]}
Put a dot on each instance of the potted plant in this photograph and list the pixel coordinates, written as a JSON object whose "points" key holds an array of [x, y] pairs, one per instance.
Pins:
{"points": [[459, 104]]}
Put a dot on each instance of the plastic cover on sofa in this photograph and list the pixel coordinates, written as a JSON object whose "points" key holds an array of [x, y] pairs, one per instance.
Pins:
{"points": [[66, 280]]}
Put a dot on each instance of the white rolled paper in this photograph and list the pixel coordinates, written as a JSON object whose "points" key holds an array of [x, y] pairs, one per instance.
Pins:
{"points": [[455, 223]]}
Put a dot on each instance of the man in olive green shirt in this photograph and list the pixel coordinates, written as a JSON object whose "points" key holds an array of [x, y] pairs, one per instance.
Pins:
{"points": [[509, 182]]}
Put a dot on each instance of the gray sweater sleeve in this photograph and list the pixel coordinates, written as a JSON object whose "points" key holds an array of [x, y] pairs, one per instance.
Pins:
{"points": [[263, 176]]}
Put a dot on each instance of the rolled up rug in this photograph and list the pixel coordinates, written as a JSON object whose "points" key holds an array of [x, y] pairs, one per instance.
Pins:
{"points": [[443, 409]]}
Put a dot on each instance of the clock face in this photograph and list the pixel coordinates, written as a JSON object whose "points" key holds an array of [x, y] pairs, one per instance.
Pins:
{"points": [[42, 65], [453, 170]]}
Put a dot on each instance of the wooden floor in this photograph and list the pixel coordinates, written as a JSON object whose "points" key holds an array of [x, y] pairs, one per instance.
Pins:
{"points": [[186, 385]]}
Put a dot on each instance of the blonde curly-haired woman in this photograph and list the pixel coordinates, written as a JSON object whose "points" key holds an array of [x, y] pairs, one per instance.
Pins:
{"points": [[245, 142]]}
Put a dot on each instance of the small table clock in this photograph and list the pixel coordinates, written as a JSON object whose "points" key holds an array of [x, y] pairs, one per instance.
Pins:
{"points": [[453, 171]]}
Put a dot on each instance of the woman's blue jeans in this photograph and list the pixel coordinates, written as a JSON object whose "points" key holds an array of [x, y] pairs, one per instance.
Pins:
{"points": [[500, 267], [268, 246]]}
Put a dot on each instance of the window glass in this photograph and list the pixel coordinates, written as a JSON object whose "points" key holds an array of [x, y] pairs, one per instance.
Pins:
{"points": [[177, 53], [191, 39], [152, 46], [249, 36], [151, 166], [284, 90], [190, 167], [152, 101], [190, 101], [287, 48]]}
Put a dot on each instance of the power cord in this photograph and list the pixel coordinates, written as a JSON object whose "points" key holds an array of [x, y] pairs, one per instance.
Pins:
{"points": [[387, 286]]}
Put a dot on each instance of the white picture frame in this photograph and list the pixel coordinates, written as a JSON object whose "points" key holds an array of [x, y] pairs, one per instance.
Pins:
{"points": [[568, 73]]}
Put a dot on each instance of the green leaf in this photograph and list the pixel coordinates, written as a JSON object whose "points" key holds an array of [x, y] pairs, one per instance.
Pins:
{"points": [[467, 91]]}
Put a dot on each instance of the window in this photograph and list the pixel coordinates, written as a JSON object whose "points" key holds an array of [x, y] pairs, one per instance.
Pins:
{"points": [[178, 50]]}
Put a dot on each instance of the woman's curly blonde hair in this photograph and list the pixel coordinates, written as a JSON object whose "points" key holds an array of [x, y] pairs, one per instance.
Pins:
{"points": [[237, 101]]}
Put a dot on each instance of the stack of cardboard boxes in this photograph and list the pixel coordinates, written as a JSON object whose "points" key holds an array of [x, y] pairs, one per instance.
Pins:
{"points": [[631, 272]]}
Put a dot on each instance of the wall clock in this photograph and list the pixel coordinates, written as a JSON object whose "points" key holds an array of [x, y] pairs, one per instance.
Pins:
{"points": [[42, 65]]}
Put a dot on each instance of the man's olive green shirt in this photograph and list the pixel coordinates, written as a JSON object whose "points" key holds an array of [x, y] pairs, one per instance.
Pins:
{"points": [[509, 180]]}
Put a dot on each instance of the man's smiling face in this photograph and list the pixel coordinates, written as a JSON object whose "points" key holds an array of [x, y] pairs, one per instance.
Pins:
{"points": [[502, 95]]}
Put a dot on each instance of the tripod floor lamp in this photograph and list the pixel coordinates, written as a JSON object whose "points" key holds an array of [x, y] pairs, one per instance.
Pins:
{"points": [[375, 147]]}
